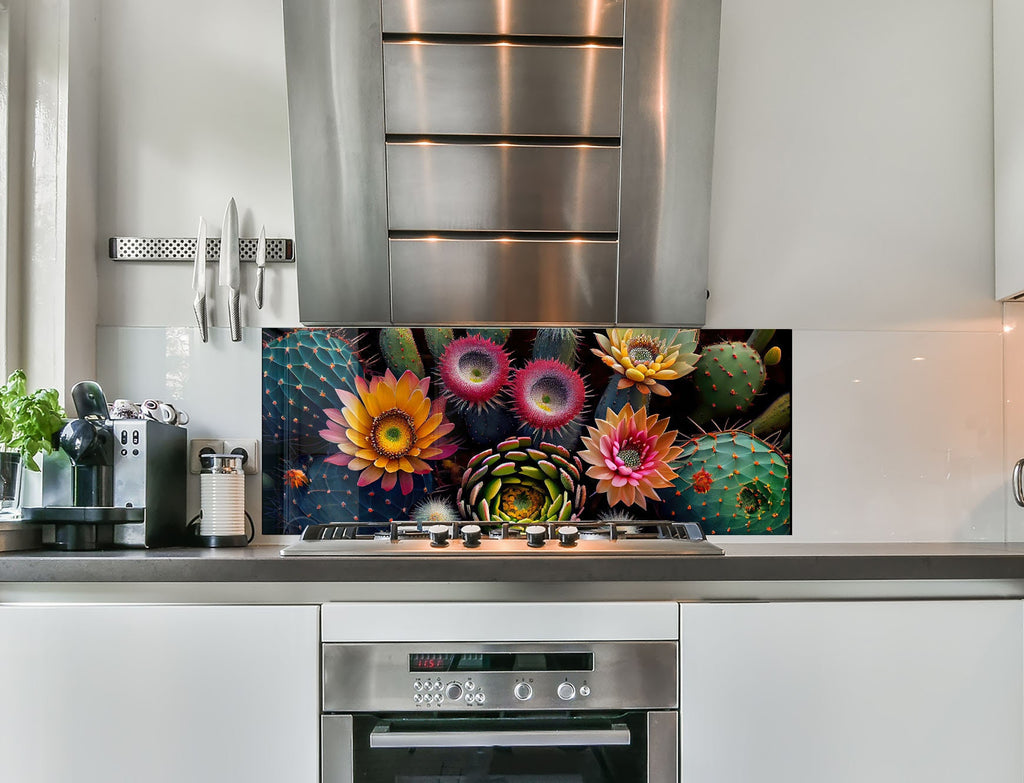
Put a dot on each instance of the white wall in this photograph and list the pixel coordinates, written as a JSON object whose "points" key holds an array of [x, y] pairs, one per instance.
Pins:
{"points": [[852, 203]]}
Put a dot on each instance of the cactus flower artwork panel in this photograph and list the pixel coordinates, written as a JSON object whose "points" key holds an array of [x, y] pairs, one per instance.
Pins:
{"points": [[516, 425]]}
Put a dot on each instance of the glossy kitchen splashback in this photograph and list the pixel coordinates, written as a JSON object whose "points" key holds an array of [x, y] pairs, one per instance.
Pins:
{"points": [[527, 424]]}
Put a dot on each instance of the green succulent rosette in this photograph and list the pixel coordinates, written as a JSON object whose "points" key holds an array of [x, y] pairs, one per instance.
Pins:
{"points": [[518, 482]]}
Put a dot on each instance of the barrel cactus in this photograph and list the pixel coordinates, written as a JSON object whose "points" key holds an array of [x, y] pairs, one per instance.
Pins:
{"points": [[560, 344], [517, 482], [730, 482], [499, 336]]}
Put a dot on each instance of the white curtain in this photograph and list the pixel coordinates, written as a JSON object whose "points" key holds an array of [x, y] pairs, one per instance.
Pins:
{"points": [[48, 151], [5, 188]]}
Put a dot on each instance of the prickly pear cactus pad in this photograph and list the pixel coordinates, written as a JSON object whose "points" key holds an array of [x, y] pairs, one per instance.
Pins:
{"points": [[514, 425], [731, 482]]}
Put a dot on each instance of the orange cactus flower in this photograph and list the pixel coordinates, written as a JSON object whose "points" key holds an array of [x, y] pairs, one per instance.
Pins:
{"points": [[389, 431]]}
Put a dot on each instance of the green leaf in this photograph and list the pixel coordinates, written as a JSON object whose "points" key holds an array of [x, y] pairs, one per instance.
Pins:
{"points": [[28, 421]]}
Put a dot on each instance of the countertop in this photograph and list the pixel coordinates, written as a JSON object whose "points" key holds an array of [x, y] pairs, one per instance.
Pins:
{"points": [[747, 571]]}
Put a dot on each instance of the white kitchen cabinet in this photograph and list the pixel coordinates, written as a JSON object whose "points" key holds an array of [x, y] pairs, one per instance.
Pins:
{"points": [[160, 694], [1008, 133], [907, 692]]}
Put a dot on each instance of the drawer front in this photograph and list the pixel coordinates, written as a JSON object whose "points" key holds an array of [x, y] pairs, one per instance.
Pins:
{"points": [[595, 18], [502, 89], [503, 281], [502, 187]]}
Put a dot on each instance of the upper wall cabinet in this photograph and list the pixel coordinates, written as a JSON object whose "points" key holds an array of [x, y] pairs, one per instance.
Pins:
{"points": [[1008, 105], [502, 161]]}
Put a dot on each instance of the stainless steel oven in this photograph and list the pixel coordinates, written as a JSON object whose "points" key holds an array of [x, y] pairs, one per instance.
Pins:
{"points": [[517, 712]]}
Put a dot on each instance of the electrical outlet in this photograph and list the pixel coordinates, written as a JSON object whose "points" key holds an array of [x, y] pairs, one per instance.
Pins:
{"points": [[198, 446], [249, 448]]}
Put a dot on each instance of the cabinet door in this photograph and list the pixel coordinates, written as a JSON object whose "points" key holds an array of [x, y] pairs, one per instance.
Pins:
{"points": [[927, 691], [162, 694], [1008, 120]]}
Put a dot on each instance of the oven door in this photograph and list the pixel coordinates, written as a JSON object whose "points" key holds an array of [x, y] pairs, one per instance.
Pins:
{"points": [[630, 747]]}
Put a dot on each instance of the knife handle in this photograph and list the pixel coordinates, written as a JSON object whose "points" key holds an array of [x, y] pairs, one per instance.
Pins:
{"points": [[234, 317], [199, 306], [258, 294]]}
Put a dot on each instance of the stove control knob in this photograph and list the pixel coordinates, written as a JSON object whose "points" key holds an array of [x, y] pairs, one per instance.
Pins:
{"points": [[568, 535], [535, 535], [584, 690], [438, 535], [471, 535], [522, 691], [566, 691], [453, 692]]}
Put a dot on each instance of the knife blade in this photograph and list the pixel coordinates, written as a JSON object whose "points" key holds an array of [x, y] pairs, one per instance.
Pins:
{"points": [[261, 262], [199, 282], [229, 272]]}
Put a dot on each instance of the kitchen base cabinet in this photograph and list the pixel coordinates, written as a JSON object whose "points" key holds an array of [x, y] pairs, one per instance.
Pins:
{"points": [[159, 694], [907, 692]]}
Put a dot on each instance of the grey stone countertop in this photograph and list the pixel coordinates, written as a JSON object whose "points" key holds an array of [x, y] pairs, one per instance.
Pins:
{"points": [[743, 562]]}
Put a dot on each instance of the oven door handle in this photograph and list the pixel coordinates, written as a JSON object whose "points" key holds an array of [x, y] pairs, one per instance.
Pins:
{"points": [[383, 737]]}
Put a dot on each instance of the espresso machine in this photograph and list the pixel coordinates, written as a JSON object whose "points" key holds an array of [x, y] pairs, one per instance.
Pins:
{"points": [[117, 482]]}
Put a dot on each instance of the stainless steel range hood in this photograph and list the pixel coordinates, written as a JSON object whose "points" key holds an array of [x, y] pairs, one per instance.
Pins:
{"points": [[502, 161]]}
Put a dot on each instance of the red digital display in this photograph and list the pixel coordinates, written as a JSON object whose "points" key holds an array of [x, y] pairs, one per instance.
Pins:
{"points": [[430, 662]]}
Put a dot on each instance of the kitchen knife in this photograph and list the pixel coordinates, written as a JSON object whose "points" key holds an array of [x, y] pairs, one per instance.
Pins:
{"points": [[199, 281], [229, 274], [261, 262]]}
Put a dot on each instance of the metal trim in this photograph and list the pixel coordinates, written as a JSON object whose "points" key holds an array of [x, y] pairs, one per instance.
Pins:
{"points": [[663, 747], [336, 749], [670, 73], [336, 130]]}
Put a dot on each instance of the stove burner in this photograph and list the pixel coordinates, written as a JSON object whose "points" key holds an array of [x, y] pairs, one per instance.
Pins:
{"points": [[480, 539]]}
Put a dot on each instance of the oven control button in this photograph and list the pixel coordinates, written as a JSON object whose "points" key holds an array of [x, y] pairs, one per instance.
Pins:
{"points": [[470, 685], [522, 691], [453, 691], [479, 698], [417, 699], [535, 535], [568, 535], [471, 535], [417, 686], [566, 691], [584, 690], [438, 535], [438, 698], [469, 698]]}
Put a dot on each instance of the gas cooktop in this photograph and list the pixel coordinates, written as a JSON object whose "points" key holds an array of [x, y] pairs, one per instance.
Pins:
{"points": [[458, 539]]}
